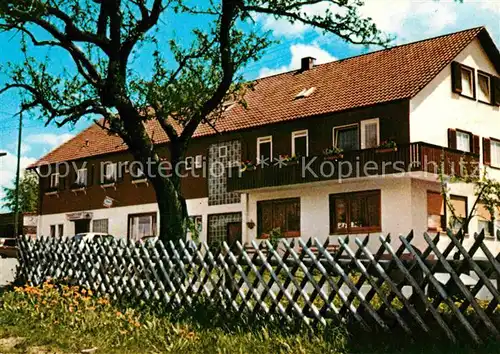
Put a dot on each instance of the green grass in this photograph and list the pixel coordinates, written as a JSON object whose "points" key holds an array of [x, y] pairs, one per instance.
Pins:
{"points": [[68, 319]]}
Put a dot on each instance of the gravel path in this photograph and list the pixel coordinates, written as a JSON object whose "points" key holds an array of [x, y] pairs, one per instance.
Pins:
{"points": [[7, 270]]}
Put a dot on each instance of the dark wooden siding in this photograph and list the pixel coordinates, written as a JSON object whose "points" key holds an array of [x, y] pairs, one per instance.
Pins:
{"points": [[394, 123]]}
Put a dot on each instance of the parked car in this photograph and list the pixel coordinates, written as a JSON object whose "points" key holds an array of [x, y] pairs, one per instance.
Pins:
{"points": [[8, 248], [92, 236]]}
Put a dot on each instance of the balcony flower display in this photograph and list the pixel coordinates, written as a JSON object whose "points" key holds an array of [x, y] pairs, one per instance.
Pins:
{"points": [[247, 166], [387, 146], [289, 159], [333, 153]]}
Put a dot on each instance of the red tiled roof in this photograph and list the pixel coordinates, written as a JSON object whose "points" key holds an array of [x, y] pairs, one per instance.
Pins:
{"points": [[383, 76]]}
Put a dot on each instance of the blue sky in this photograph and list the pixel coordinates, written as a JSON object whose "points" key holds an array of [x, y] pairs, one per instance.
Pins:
{"points": [[408, 20]]}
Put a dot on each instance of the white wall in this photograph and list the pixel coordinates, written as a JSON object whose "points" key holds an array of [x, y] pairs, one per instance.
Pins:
{"points": [[118, 217], [436, 108], [315, 211]]}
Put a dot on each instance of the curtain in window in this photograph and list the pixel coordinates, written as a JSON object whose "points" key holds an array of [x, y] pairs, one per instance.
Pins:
{"points": [[463, 141], [283, 214], [348, 138], [370, 135]]}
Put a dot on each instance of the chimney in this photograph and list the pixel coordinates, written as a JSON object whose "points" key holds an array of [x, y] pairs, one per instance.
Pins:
{"points": [[307, 63]]}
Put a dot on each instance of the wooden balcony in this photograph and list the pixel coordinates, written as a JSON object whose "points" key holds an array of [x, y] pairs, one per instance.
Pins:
{"points": [[412, 157]]}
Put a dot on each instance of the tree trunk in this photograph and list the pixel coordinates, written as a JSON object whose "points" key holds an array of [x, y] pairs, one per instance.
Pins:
{"points": [[172, 210]]}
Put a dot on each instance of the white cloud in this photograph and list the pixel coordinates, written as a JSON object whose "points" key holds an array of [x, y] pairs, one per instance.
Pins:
{"points": [[299, 51], [8, 165], [400, 17], [52, 140]]}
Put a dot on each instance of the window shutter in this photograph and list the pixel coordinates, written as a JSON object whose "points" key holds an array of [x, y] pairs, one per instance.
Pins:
{"points": [[486, 151], [476, 144], [456, 77], [495, 90], [452, 138]]}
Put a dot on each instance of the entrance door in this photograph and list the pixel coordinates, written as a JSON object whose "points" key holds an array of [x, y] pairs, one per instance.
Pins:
{"points": [[234, 232], [82, 226]]}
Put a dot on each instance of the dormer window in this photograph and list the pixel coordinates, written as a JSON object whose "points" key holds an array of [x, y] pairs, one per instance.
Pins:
{"points": [[467, 81], [306, 92], [484, 84]]}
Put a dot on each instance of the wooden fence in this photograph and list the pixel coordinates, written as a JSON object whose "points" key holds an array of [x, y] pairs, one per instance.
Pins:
{"points": [[390, 289]]}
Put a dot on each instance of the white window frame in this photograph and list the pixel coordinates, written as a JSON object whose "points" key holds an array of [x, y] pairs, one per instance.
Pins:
{"points": [[300, 134], [85, 181], [264, 140], [363, 125], [198, 161], [189, 163], [471, 86], [114, 174], [480, 92], [470, 141], [335, 129], [495, 157], [222, 151], [54, 180]]}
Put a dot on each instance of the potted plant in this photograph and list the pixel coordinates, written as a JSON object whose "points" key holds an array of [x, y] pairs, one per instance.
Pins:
{"points": [[247, 166], [289, 160], [387, 146], [333, 153]]}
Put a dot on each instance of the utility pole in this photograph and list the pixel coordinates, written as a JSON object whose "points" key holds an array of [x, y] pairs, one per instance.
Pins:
{"points": [[18, 173]]}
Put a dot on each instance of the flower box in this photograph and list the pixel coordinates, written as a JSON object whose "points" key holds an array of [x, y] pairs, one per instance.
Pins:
{"points": [[334, 157], [383, 150]]}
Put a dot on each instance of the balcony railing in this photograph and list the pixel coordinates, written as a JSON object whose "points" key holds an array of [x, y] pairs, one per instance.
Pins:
{"points": [[412, 157]]}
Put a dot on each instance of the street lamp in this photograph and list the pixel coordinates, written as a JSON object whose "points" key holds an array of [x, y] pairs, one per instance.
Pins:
{"points": [[3, 154]]}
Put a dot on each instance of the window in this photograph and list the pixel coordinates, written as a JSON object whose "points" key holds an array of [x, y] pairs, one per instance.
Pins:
{"points": [[52, 230], [141, 225], [484, 83], [110, 172], [282, 214], [81, 177], [485, 221], [198, 162], [265, 149], [370, 133], [100, 225], [60, 230], [457, 212], [136, 172], [436, 217], [467, 81], [347, 137], [54, 180], [306, 92], [495, 153], [222, 151], [300, 143], [189, 163], [463, 141], [355, 212]]}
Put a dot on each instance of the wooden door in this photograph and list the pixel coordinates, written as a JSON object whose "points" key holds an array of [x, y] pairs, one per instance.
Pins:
{"points": [[234, 232]]}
